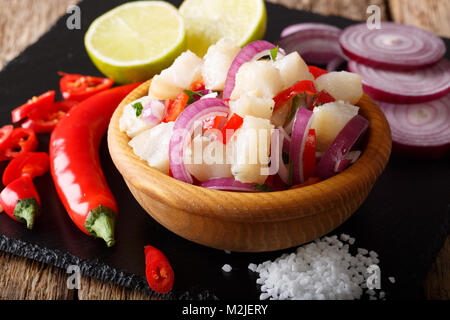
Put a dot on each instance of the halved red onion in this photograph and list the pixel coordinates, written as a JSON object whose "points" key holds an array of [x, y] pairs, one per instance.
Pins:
{"points": [[153, 112], [394, 46], [341, 146], [405, 87], [420, 129], [349, 159], [229, 184], [302, 124], [183, 129], [317, 43], [253, 51]]}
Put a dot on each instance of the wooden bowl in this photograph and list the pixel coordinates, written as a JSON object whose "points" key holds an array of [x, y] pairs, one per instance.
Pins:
{"points": [[252, 222]]}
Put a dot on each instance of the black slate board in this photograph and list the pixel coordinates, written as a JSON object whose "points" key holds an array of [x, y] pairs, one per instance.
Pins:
{"points": [[405, 218]]}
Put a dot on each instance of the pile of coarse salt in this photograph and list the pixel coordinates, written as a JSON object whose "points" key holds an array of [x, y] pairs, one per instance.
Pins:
{"points": [[321, 270]]}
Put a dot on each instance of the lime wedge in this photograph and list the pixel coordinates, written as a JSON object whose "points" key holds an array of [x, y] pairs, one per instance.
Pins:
{"points": [[137, 40], [209, 20]]}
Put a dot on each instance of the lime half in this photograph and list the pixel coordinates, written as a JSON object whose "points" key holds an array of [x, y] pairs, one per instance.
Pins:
{"points": [[207, 21], [136, 40]]}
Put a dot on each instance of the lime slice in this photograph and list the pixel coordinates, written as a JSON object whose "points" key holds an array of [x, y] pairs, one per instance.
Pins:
{"points": [[209, 20], [137, 40]]}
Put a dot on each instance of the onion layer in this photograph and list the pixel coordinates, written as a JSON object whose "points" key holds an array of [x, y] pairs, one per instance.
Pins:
{"points": [[394, 46], [302, 124], [420, 129], [405, 86], [341, 146], [183, 129], [229, 184], [153, 112], [253, 51]]}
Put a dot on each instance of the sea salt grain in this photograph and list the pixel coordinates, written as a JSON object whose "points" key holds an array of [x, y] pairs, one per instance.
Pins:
{"points": [[321, 270], [227, 268], [392, 279]]}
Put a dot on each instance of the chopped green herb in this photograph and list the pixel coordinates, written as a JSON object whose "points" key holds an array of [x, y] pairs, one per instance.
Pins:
{"points": [[274, 53], [138, 107], [191, 95], [295, 105], [262, 187]]}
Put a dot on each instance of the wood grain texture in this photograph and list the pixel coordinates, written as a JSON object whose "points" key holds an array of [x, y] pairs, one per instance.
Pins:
{"points": [[252, 222], [24, 279], [23, 21], [432, 15]]}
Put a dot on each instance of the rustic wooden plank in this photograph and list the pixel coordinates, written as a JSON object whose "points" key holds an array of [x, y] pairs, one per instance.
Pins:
{"points": [[432, 15], [352, 9], [437, 283], [26, 279]]}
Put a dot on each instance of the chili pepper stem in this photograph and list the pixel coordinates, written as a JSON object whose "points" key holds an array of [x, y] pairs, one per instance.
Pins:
{"points": [[100, 223], [26, 211]]}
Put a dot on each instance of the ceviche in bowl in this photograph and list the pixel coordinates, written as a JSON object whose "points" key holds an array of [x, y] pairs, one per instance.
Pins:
{"points": [[250, 120]]}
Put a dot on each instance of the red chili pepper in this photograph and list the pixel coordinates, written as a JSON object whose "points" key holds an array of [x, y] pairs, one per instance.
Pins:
{"points": [[198, 85], [309, 155], [321, 98], [77, 87], [160, 276], [174, 109], [34, 103], [288, 94], [20, 200], [45, 119], [21, 140], [317, 72], [5, 135], [75, 163], [234, 123], [33, 164]]}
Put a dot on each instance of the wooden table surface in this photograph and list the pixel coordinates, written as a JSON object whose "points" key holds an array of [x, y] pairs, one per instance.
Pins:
{"points": [[23, 21]]}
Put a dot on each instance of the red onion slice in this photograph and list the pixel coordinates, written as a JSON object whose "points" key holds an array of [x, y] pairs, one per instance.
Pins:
{"points": [[334, 64], [307, 26], [420, 129], [394, 46], [349, 159], [341, 146], [286, 140], [302, 124], [316, 43], [153, 112], [229, 184], [183, 129], [405, 86], [253, 51]]}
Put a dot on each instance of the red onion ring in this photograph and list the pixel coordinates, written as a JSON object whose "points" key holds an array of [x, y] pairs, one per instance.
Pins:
{"points": [[405, 87], [349, 159], [229, 184], [305, 27], [394, 46], [420, 129], [253, 51], [286, 140], [183, 129], [302, 123], [335, 63], [341, 146], [153, 112], [316, 43], [283, 169]]}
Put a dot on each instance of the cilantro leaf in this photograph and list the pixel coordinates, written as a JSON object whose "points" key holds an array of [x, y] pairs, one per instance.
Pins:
{"points": [[295, 105], [274, 53], [262, 187], [138, 107], [191, 95]]}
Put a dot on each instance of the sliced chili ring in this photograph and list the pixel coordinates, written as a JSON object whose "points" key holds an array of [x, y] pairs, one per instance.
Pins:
{"points": [[321, 98], [22, 140], [77, 87], [5, 134], [159, 272], [35, 103], [33, 164], [44, 121], [288, 94]]}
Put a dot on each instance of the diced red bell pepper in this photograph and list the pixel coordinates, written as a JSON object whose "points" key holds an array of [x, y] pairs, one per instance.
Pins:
{"points": [[77, 87], [317, 72], [321, 98], [288, 94], [173, 110], [309, 155], [198, 85], [21, 201], [33, 164], [159, 272], [228, 130], [35, 103]]}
